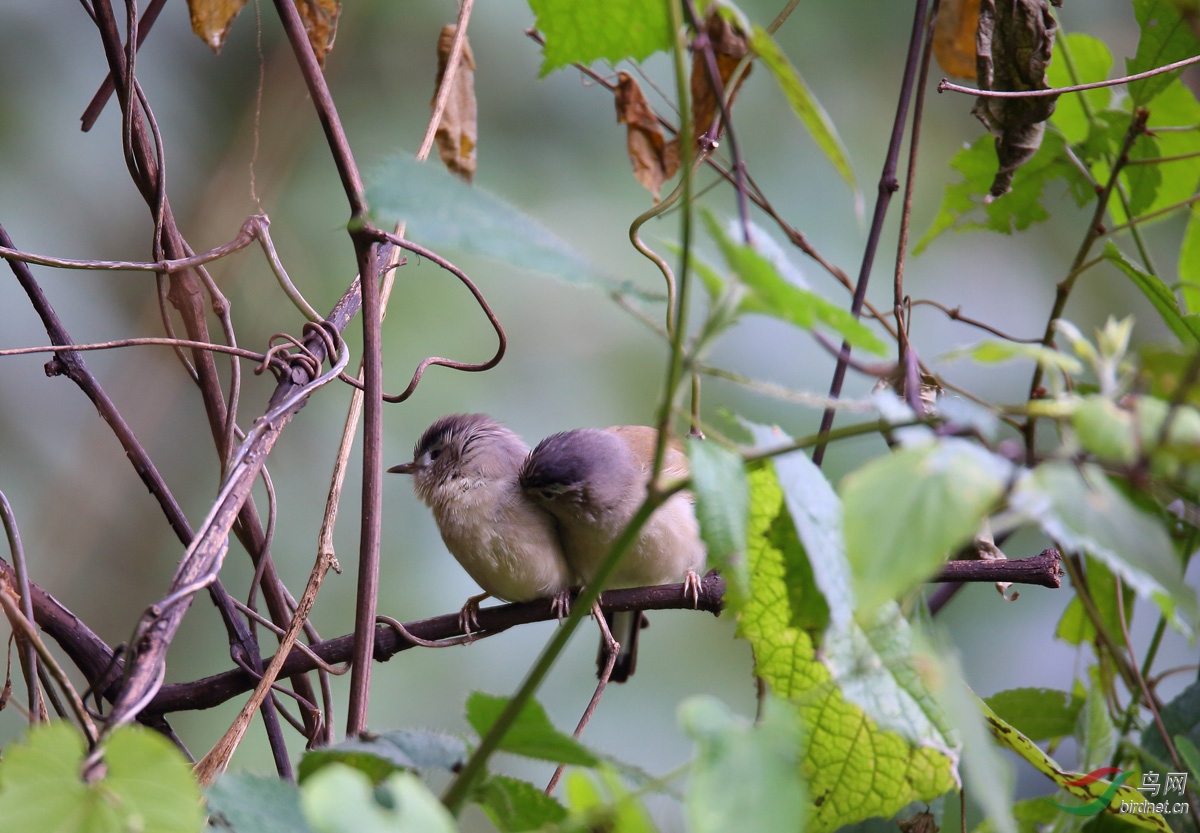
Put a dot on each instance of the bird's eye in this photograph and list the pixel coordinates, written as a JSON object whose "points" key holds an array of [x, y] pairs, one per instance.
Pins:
{"points": [[548, 494], [433, 455]]}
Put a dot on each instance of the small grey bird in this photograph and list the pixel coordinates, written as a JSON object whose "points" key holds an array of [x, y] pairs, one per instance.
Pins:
{"points": [[593, 481], [465, 468]]}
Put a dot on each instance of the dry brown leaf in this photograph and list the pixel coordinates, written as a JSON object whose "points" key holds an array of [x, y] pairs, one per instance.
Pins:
{"points": [[954, 37], [212, 19], [654, 159], [320, 21], [729, 45], [458, 129], [1013, 48]]}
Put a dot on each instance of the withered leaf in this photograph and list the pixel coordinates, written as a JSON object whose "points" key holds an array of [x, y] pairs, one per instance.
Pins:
{"points": [[458, 130], [212, 19], [654, 159], [954, 37], [1013, 47], [729, 46], [320, 21]]}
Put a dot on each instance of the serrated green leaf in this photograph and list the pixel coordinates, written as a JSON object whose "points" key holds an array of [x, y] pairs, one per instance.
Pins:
{"points": [[744, 777], [147, 785], [1016, 210], [1038, 713], [442, 211], [816, 512], [723, 509], [805, 105], [991, 351], [1166, 37], [1185, 326], [908, 511], [338, 799], [531, 734], [859, 769], [249, 803], [1092, 61], [515, 806], [582, 31], [1079, 508], [771, 294], [1012, 739]]}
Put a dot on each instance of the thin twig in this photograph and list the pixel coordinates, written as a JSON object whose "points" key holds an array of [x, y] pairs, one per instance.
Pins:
{"points": [[946, 86]]}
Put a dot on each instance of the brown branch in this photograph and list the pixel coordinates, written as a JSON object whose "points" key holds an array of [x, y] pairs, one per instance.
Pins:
{"points": [[1044, 570]]}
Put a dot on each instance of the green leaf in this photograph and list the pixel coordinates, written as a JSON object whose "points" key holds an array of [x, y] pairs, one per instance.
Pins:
{"points": [[743, 777], [805, 105], [339, 799], [1016, 210], [1166, 37], [1079, 508], [907, 512], [442, 211], [604, 804], [858, 768], [993, 351], [771, 294], [816, 512], [723, 509], [147, 784], [1185, 326], [1095, 735], [987, 774], [1181, 716], [1189, 261], [1038, 713], [248, 803], [1092, 62], [582, 31], [381, 755], [532, 734], [1076, 627], [1010, 738], [1142, 181], [515, 806], [1175, 106], [1189, 753]]}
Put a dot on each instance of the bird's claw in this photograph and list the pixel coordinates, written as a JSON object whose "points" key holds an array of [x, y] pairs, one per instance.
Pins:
{"points": [[560, 604], [691, 588]]}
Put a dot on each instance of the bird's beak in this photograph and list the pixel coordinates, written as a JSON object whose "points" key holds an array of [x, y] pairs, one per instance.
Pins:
{"points": [[405, 468]]}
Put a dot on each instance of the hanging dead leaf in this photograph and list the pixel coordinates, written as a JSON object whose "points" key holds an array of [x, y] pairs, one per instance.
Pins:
{"points": [[212, 19], [954, 37], [320, 21], [1013, 47], [457, 130], [654, 159], [730, 46]]}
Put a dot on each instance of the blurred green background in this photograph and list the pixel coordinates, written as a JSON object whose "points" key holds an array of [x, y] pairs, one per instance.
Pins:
{"points": [[552, 147]]}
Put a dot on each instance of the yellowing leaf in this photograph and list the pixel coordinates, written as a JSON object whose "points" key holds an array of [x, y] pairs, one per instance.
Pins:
{"points": [[457, 131], [320, 21], [654, 159], [954, 37], [212, 19]]}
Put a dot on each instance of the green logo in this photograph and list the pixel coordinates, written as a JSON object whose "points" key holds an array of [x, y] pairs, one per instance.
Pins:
{"points": [[1096, 805]]}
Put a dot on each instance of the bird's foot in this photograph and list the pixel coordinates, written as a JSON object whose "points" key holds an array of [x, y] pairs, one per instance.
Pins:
{"points": [[560, 604], [691, 587], [468, 617]]}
